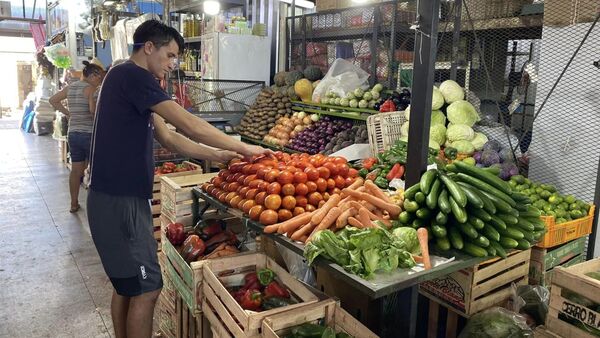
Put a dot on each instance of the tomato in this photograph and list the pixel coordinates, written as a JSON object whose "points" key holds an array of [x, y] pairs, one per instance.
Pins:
{"points": [[326, 196], [224, 173], [298, 211], [314, 198], [254, 184], [249, 179], [285, 177], [235, 200], [281, 166], [349, 181], [255, 168], [262, 172], [268, 217], [237, 167], [301, 189], [255, 212], [310, 208], [333, 169], [286, 157], [284, 215], [324, 173], [321, 185], [241, 203], [330, 183], [274, 188], [302, 165], [269, 163], [312, 186], [223, 185], [246, 169], [343, 169], [340, 182], [278, 154], [273, 202], [352, 172], [243, 190], [288, 190], [222, 196], [288, 202], [300, 177], [292, 169], [262, 186], [272, 175], [248, 205], [336, 191], [229, 178], [260, 197], [339, 160], [230, 196], [311, 174], [251, 194], [233, 187], [217, 181], [301, 201], [240, 180]]}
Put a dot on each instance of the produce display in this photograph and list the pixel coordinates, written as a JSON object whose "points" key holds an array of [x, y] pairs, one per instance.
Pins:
{"points": [[170, 167], [496, 322], [471, 209], [297, 84], [261, 291], [270, 106], [314, 138], [549, 201], [355, 135], [309, 330], [359, 98], [288, 127]]}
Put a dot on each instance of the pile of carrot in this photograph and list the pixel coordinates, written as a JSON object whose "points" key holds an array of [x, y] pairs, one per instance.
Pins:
{"points": [[361, 205]]}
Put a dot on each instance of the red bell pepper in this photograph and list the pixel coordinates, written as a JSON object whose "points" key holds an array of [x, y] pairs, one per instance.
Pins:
{"points": [[276, 290], [396, 172], [193, 247], [176, 233], [387, 106], [251, 282], [368, 163], [251, 300]]}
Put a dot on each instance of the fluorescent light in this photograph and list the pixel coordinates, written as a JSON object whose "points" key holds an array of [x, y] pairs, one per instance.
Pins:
{"points": [[211, 7], [301, 3]]}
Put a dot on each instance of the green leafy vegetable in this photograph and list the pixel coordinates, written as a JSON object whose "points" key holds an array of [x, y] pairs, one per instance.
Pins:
{"points": [[462, 112], [409, 237]]}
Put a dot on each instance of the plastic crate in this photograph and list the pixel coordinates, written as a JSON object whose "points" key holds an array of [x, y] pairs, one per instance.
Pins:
{"points": [[558, 234], [384, 130]]}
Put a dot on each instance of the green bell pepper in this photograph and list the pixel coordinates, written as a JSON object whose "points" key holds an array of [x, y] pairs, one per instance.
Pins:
{"points": [[265, 276], [381, 182]]}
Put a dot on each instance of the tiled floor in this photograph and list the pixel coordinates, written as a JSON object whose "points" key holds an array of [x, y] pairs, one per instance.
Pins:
{"points": [[52, 283]]}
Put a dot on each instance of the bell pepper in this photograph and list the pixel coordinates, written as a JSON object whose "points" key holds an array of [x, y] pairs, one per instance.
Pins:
{"points": [[373, 175], [193, 247], [206, 229], [396, 172], [176, 233], [275, 302], [381, 182], [265, 276], [387, 106], [251, 282], [222, 237], [367, 163], [450, 153], [251, 300], [363, 172], [276, 290]]}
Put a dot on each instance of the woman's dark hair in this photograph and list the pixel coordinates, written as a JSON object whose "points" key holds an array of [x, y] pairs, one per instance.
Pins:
{"points": [[91, 69], [156, 32]]}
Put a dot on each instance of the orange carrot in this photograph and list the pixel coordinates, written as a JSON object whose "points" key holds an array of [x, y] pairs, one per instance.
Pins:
{"points": [[422, 235], [327, 221], [303, 239], [294, 222], [363, 217], [269, 229], [305, 229], [418, 259], [319, 214], [361, 189], [374, 189], [343, 219], [393, 209], [356, 184], [355, 223], [369, 206]]}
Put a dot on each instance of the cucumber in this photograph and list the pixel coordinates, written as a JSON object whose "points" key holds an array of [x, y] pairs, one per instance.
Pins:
{"points": [[459, 213], [443, 202], [418, 223], [426, 181], [523, 244], [481, 241], [528, 236], [508, 243], [487, 203], [451, 168], [441, 218], [492, 170], [534, 220], [439, 231], [537, 226], [455, 238], [508, 219], [514, 212], [443, 243], [468, 230], [484, 176], [499, 249], [432, 198], [500, 205], [476, 222], [480, 213], [405, 217], [472, 196], [531, 212], [491, 233], [491, 250], [520, 198], [498, 223], [511, 233], [410, 192], [474, 250], [537, 235], [423, 213], [420, 198], [485, 187], [455, 190], [520, 207], [525, 224], [410, 206]]}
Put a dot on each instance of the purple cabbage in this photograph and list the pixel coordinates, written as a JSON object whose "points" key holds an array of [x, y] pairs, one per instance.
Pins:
{"points": [[489, 158], [492, 145]]}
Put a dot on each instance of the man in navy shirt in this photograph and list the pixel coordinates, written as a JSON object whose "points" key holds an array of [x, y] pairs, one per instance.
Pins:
{"points": [[122, 170]]}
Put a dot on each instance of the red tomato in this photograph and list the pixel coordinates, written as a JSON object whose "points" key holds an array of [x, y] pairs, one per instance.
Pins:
{"points": [[330, 183], [349, 181], [262, 186], [233, 187], [217, 181], [262, 172], [268, 217], [298, 211], [300, 177], [249, 179], [312, 174], [273, 202], [251, 194], [301, 201], [339, 160], [312, 186], [255, 212], [248, 205], [254, 184], [310, 208], [314, 198], [288, 189], [246, 169], [288, 202], [301, 189], [336, 191], [321, 185], [324, 173], [224, 173], [272, 175], [255, 168], [343, 169], [279, 155], [242, 191], [260, 197], [285, 177], [326, 196], [333, 169], [274, 188], [352, 172], [284, 215], [230, 178], [235, 200], [241, 179], [340, 182], [292, 169]]}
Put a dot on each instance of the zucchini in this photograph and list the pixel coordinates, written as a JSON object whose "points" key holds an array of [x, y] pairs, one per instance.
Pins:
{"points": [[525, 224], [520, 198], [451, 168], [476, 222], [491, 250], [481, 241], [480, 213], [484, 176], [426, 181], [497, 223], [491, 233], [528, 236], [468, 230], [410, 192], [474, 250], [523, 244], [508, 219], [455, 190], [423, 213], [455, 238], [492, 170], [500, 205], [485, 187], [531, 212], [439, 231], [432, 198], [443, 202], [420, 198], [443, 243], [508, 243], [472, 196], [511, 233], [459, 213], [499, 249], [441, 218]]}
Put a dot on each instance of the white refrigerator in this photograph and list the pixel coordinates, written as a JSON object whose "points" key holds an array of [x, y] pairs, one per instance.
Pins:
{"points": [[236, 57]]}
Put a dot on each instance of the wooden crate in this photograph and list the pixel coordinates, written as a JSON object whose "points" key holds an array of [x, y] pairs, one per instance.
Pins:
{"points": [[573, 279], [156, 197], [543, 332], [328, 311], [180, 323], [543, 261], [225, 312], [177, 197], [482, 286], [558, 234], [436, 313]]}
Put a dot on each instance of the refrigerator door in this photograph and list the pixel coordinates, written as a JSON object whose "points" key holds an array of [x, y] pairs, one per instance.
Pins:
{"points": [[244, 57]]}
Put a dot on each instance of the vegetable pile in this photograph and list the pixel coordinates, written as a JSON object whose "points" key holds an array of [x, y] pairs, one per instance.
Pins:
{"points": [[496, 322], [262, 115], [309, 330], [314, 138], [210, 240], [359, 98], [261, 291], [170, 167], [289, 127], [493, 154], [357, 134], [473, 210]]}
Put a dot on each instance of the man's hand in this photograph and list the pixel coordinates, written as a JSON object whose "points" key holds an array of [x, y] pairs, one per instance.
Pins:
{"points": [[251, 150], [224, 156]]}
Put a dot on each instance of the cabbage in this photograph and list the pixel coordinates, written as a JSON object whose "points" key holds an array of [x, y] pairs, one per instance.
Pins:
{"points": [[479, 140], [433, 144], [437, 133], [404, 129], [437, 117], [458, 132], [437, 99], [462, 112], [410, 239], [463, 147], [452, 91]]}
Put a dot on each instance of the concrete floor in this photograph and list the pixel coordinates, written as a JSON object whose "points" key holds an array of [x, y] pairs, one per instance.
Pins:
{"points": [[52, 283]]}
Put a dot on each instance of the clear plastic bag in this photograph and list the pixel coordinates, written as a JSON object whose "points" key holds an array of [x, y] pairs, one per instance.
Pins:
{"points": [[496, 322], [531, 302], [297, 265], [342, 78]]}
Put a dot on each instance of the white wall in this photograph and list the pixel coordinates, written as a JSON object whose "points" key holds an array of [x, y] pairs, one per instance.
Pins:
{"points": [[13, 49]]}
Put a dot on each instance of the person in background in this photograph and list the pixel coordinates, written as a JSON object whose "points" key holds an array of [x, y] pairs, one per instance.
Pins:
{"points": [[129, 115], [80, 112]]}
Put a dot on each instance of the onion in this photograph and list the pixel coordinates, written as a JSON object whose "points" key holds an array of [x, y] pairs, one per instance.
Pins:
{"points": [[301, 114], [306, 120], [298, 128], [295, 114], [293, 134], [314, 117]]}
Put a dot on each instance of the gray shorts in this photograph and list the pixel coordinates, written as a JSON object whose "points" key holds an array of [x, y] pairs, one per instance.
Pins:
{"points": [[122, 231]]}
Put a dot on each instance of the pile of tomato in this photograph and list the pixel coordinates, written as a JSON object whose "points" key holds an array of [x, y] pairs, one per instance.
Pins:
{"points": [[275, 188]]}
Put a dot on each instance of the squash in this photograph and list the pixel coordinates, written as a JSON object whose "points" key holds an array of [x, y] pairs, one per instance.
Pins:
{"points": [[304, 89], [279, 78], [292, 77], [313, 73]]}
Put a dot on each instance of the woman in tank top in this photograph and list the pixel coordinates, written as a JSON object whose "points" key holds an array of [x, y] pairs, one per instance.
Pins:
{"points": [[81, 108]]}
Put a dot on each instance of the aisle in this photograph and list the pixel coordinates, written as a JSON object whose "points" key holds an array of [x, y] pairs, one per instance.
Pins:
{"points": [[51, 281]]}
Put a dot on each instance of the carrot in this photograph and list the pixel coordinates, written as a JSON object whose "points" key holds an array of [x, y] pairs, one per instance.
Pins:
{"points": [[343, 219], [356, 184], [422, 235], [369, 206], [374, 189], [319, 214], [327, 221], [294, 222], [269, 229], [363, 217], [361, 189], [355, 223], [345, 199], [303, 230], [322, 203], [418, 259], [393, 209], [378, 216]]}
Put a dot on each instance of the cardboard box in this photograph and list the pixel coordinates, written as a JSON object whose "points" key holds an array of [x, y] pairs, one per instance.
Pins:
{"points": [[570, 12], [543, 261]]}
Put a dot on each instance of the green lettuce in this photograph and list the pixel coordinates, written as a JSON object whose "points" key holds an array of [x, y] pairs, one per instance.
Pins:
{"points": [[462, 112]]}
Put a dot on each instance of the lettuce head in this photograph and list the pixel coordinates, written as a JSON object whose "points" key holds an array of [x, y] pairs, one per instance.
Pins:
{"points": [[462, 112]]}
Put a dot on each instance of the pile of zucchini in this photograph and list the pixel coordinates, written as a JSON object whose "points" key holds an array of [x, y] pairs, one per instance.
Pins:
{"points": [[471, 209]]}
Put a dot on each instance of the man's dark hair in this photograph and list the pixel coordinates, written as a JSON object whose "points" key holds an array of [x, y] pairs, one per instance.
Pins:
{"points": [[91, 69], [156, 32]]}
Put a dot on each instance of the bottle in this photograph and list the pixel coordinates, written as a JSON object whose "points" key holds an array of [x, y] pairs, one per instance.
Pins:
{"points": [[185, 26]]}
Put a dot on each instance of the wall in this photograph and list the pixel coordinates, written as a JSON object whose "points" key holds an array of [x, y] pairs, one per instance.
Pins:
{"points": [[13, 49]]}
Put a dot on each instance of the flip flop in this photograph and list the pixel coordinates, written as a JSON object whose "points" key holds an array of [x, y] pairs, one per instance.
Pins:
{"points": [[74, 210]]}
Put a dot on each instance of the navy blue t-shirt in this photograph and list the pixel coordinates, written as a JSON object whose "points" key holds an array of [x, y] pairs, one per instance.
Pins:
{"points": [[122, 161]]}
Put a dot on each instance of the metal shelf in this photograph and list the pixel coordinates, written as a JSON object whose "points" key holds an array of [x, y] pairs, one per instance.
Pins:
{"points": [[342, 33], [325, 109], [517, 22]]}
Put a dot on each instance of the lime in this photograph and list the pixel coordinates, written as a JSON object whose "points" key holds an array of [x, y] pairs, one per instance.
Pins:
{"points": [[520, 187], [563, 205], [575, 214], [560, 220], [534, 198], [545, 194], [470, 161], [553, 199], [513, 184], [573, 206], [547, 207], [560, 213], [570, 199], [551, 213]]}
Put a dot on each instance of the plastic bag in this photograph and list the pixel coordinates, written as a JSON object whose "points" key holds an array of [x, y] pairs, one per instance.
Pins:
{"points": [[342, 78], [531, 302], [297, 265], [58, 54], [496, 322]]}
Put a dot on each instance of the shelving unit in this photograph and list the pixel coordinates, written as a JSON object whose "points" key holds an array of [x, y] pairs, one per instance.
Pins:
{"points": [[336, 111]]}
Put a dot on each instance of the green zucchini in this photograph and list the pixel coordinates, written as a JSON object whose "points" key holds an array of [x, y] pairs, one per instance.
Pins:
{"points": [[499, 249], [441, 218], [511, 233], [491, 250], [525, 224], [523, 244], [480, 213], [500, 205], [459, 213], [472, 195], [508, 243], [508, 219], [443, 202], [468, 230], [455, 190], [455, 238], [497, 223], [432, 198], [426, 181], [490, 232], [476, 222], [443, 243], [474, 250], [481, 241], [438, 231], [409, 193], [485, 187], [484, 176]]}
